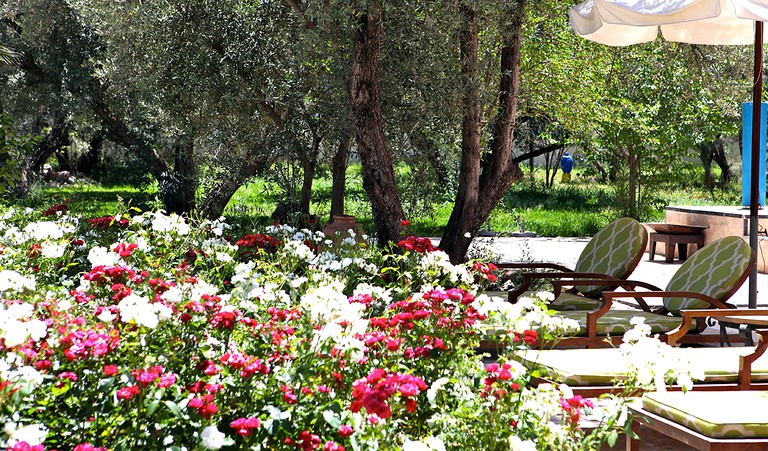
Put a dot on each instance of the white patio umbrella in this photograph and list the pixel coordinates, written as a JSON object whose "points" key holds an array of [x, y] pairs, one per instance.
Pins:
{"points": [[713, 22]]}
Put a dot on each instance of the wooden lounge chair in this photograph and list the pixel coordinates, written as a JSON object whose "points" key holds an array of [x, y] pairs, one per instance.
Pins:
{"points": [[706, 280], [722, 420], [725, 420], [592, 372], [613, 253]]}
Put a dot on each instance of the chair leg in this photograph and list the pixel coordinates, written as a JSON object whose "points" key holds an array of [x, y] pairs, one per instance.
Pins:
{"points": [[633, 444], [653, 250]]}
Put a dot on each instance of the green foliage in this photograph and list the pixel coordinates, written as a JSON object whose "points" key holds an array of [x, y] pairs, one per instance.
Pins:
{"points": [[13, 148]]}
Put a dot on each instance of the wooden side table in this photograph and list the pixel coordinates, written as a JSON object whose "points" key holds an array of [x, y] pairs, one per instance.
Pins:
{"points": [[671, 239]]}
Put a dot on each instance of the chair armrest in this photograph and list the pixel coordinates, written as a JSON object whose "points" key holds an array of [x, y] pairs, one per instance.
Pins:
{"points": [[568, 278], [689, 315], [531, 265], [526, 283], [639, 297]]}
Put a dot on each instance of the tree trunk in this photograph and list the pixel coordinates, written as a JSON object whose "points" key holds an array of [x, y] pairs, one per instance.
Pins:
{"points": [[216, 199], [54, 140], [721, 159], [338, 188], [482, 184], [368, 125], [633, 161], [308, 165], [90, 161], [177, 188]]}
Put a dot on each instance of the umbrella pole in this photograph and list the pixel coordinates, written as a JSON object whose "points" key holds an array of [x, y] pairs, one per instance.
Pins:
{"points": [[754, 189]]}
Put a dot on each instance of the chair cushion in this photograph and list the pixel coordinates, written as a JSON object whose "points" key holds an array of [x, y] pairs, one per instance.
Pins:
{"points": [[714, 270], [615, 250], [602, 366], [570, 301], [716, 414], [616, 321]]}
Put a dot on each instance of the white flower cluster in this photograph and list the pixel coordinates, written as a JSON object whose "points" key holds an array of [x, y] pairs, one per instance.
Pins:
{"points": [[298, 250], [186, 291], [101, 256], [438, 265], [17, 324], [212, 438], [11, 281], [138, 309], [326, 303], [32, 434], [14, 371], [652, 362], [426, 444], [525, 314], [169, 224]]}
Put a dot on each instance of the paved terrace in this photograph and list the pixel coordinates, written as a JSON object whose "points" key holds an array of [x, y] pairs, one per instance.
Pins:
{"points": [[567, 250]]}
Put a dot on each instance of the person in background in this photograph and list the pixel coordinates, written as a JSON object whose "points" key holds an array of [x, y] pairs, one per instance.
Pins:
{"points": [[566, 164]]}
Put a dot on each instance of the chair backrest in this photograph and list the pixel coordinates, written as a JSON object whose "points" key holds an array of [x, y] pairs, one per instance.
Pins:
{"points": [[615, 251], [716, 270]]}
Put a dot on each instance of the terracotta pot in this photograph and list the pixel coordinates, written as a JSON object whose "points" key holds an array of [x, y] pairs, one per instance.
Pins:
{"points": [[340, 225]]}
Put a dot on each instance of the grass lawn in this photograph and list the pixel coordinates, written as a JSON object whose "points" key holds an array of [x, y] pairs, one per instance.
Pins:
{"points": [[579, 208]]}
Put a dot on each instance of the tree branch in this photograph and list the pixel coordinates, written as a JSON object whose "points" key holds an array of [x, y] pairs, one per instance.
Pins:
{"points": [[308, 24]]}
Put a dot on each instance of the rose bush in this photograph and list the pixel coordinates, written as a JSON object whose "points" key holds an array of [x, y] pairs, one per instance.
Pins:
{"points": [[145, 332]]}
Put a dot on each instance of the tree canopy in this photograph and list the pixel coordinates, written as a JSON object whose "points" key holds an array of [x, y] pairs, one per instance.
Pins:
{"points": [[203, 95]]}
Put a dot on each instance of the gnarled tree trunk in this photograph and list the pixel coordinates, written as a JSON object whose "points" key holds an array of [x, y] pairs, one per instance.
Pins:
{"points": [[177, 187], [482, 184], [368, 126], [216, 199]]}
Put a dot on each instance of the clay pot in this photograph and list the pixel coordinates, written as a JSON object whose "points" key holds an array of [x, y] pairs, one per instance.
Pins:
{"points": [[340, 225]]}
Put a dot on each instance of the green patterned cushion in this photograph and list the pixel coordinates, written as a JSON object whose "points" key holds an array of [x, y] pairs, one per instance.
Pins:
{"points": [[716, 414], [616, 321], [571, 301], [601, 366], [614, 251], [714, 270]]}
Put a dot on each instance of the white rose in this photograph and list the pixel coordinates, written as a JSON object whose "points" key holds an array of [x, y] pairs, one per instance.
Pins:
{"points": [[212, 438]]}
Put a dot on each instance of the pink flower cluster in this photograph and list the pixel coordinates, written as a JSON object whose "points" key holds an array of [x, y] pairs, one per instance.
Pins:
{"points": [[125, 249], [485, 271], [373, 392], [143, 378], [498, 380], [106, 222], [113, 274], [251, 243], [417, 244], [55, 208], [573, 407], [248, 365], [80, 344], [244, 426]]}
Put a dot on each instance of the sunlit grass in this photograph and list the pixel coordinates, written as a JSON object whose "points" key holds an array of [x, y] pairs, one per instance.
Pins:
{"points": [[579, 208]]}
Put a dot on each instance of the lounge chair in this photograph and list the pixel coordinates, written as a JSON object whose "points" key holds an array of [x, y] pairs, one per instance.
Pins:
{"points": [[706, 280], [739, 420], [722, 420], [613, 253], [592, 372]]}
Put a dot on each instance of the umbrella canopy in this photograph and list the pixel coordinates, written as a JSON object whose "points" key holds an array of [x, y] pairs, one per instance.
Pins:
{"points": [[626, 22], [714, 22]]}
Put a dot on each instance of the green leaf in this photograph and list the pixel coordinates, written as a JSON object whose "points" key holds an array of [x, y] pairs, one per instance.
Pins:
{"points": [[152, 407], [174, 408], [612, 438], [332, 418]]}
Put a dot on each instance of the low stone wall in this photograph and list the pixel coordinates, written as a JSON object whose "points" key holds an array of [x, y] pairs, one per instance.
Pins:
{"points": [[722, 222]]}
